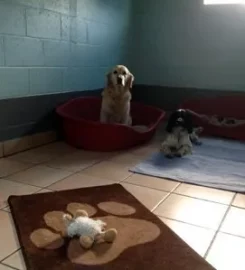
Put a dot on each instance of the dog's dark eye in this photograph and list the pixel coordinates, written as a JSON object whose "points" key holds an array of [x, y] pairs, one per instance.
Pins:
{"points": [[220, 118], [230, 121], [124, 73], [115, 72]]}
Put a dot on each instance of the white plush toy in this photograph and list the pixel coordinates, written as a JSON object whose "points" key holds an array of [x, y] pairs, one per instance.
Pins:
{"points": [[87, 229]]}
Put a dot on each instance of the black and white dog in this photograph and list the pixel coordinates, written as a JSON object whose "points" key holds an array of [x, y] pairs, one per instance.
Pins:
{"points": [[180, 134]]}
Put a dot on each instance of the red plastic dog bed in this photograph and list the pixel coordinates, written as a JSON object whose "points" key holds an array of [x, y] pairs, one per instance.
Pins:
{"points": [[82, 128], [220, 116]]}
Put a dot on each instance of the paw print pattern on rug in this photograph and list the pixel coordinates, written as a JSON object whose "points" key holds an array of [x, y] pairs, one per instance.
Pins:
{"points": [[131, 232]]}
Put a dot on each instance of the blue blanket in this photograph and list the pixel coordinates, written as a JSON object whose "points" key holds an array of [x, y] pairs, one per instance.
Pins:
{"points": [[217, 163]]}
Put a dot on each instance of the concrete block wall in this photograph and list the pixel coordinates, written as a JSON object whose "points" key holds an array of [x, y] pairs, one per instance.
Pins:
{"points": [[53, 46]]}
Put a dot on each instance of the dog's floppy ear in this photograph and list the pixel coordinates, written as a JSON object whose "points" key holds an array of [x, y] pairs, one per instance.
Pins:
{"points": [[109, 80], [171, 122], [188, 122], [130, 80]]}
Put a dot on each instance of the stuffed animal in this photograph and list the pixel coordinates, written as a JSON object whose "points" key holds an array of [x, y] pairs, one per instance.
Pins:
{"points": [[87, 229]]}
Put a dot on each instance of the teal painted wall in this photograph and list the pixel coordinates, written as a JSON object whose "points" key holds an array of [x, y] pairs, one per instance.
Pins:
{"points": [[51, 46], [184, 43]]}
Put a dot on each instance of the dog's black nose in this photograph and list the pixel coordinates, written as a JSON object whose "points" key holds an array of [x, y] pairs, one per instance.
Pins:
{"points": [[180, 120], [119, 80]]}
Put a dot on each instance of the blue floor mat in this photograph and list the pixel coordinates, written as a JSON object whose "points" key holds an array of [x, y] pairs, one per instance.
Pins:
{"points": [[217, 163]]}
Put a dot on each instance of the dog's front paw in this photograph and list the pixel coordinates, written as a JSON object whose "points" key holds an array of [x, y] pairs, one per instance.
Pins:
{"points": [[170, 156], [167, 151], [197, 142], [184, 150]]}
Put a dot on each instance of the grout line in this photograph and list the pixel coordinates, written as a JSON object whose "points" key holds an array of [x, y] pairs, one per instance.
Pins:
{"points": [[43, 189], [62, 169], [25, 17], [44, 164], [180, 194], [87, 32], [73, 173], [161, 201], [5, 258], [61, 27], [235, 235], [46, 187], [33, 165], [10, 267], [53, 190], [29, 81], [90, 165], [42, 67], [44, 52], [7, 211], [238, 207], [38, 7], [4, 52], [202, 199], [4, 206], [163, 190], [36, 192], [32, 148], [122, 181], [218, 229], [60, 68], [11, 174], [165, 198], [63, 13], [183, 222]]}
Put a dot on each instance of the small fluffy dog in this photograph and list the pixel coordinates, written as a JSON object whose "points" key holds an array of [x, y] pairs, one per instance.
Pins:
{"points": [[180, 134], [116, 97]]}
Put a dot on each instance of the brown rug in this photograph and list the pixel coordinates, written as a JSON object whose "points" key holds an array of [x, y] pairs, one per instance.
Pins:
{"points": [[143, 241]]}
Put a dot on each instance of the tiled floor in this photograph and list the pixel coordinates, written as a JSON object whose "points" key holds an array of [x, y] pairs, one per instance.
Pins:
{"points": [[211, 221]]}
